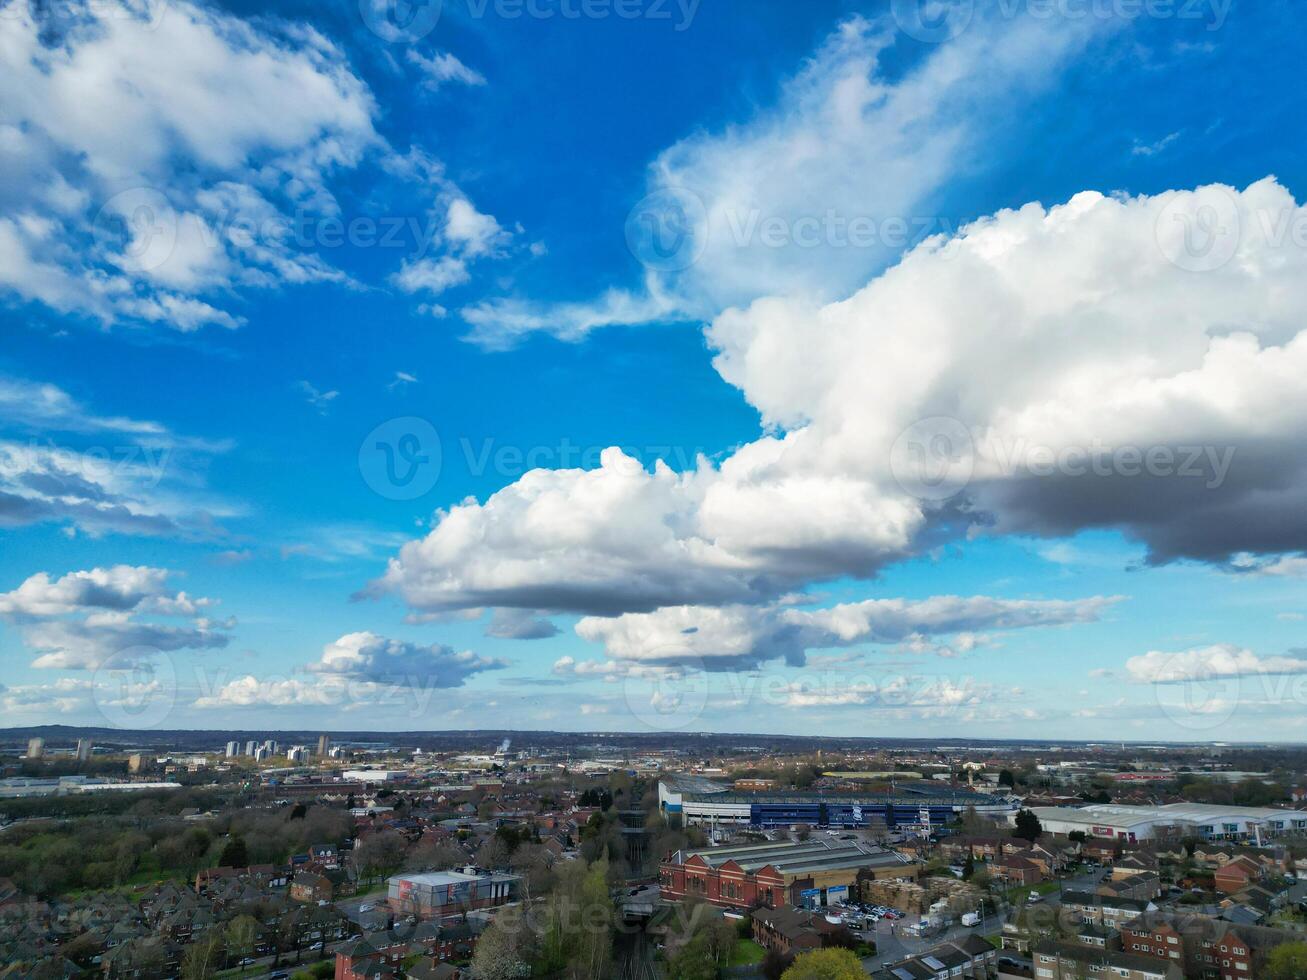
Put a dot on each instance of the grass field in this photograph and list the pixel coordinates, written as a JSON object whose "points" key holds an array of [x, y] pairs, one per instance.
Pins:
{"points": [[746, 953], [1018, 894]]}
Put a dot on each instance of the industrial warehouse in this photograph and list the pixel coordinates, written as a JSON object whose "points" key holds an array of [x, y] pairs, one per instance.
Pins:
{"points": [[810, 873], [438, 894], [1206, 820], [701, 801]]}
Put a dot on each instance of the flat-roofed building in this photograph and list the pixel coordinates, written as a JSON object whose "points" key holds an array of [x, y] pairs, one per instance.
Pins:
{"points": [[1207, 820], [373, 775], [918, 804], [814, 872], [437, 894]]}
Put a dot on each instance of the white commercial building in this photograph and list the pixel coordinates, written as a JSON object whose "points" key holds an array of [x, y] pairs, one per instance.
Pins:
{"points": [[1207, 820], [373, 775], [437, 894], [20, 786]]}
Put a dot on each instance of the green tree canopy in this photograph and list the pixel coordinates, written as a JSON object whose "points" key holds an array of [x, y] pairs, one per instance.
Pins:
{"points": [[826, 964], [1286, 962], [234, 854], [1028, 826]]}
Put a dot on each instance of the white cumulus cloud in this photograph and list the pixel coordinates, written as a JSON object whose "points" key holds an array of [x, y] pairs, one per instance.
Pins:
{"points": [[1205, 663]]}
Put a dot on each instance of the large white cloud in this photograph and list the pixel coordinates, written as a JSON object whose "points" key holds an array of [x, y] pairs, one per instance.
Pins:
{"points": [[122, 614], [1057, 368], [826, 185], [119, 588], [360, 670], [744, 636], [1089, 371], [367, 656], [121, 641], [152, 160], [602, 541], [60, 462], [1207, 663]]}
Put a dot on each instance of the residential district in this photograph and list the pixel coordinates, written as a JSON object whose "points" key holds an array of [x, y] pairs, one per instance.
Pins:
{"points": [[273, 857]]}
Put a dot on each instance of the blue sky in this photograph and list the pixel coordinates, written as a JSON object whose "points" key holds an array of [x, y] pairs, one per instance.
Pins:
{"points": [[319, 330]]}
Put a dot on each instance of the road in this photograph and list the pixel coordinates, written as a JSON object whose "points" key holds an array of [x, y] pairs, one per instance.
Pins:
{"points": [[262, 968], [371, 921]]}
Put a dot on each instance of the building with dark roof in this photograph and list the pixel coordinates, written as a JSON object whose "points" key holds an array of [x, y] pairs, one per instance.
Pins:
{"points": [[1072, 961], [971, 957], [813, 872], [787, 930], [916, 804], [1107, 910]]}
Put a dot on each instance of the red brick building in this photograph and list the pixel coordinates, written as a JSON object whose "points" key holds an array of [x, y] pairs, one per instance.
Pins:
{"points": [[1227, 956], [789, 930], [311, 887], [1208, 949], [772, 874], [382, 954], [1236, 875], [726, 885], [1017, 870], [1159, 940]]}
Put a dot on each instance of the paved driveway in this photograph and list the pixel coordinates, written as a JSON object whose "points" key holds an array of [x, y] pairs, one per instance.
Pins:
{"points": [[369, 921], [892, 946]]}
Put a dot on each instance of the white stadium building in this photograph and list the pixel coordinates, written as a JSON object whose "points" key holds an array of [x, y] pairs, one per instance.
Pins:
{"points": [[1206, 820]]}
